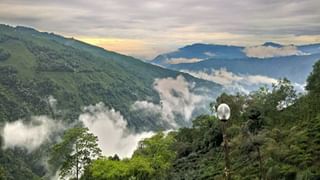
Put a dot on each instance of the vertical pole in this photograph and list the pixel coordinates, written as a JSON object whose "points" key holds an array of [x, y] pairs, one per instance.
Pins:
{"points": [[226, 155], [77, 163], [261, 177]]}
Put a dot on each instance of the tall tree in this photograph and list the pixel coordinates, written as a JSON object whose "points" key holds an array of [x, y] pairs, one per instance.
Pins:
{"points": [[76, 151], [313, 81], [159, 152]]}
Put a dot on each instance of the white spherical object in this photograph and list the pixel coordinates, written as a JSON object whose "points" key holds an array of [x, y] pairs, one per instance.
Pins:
{"points": [[223, 112]]}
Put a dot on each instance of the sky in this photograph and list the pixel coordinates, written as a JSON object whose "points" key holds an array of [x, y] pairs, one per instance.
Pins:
{"points": [[146, 28]]}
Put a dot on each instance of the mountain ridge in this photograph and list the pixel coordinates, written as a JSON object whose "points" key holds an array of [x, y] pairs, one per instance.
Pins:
{"points": [[293, 62]]}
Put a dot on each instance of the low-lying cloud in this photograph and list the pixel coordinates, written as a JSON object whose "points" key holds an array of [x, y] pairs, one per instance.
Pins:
{"points": [[106, 123], [233, 82], [224, 77], [111, 128], [270, 51], [183, 60], [177, 101], [30, 134], [178, 105], [209, 54]]}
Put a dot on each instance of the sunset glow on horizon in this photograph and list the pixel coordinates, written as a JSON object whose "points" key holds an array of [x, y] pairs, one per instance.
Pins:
{"points": [[145, 29]]}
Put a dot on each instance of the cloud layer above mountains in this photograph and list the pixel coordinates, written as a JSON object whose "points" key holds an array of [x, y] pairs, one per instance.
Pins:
{"points": [[269, 51], [184, 60], [226, 78], [233, 82], [146, 28]]}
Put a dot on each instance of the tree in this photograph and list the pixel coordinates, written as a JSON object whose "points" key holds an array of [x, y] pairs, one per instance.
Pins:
{"points": [[135, 168], [152, 160], [75, 152], [159, 152], [114, 158], [313, 81], [2, 173], [255, 121]]}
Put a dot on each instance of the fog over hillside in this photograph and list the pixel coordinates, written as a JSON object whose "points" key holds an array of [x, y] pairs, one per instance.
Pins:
{"points": [[177, 103]]}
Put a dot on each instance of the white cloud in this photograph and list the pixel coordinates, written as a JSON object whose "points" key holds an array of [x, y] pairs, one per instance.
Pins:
{"points": [[221, 76], [176, 94], [224, 77], [30, 135], [258, 79], [106, 123], [269, 51], [300, 88], [111, 129], [176, 101], [233, 82], [183, 60], [146, 105], [210, 54]]}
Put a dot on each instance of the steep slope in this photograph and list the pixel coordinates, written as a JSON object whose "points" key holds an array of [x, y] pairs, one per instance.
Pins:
{"points": [[37, 68], [36, 65]]}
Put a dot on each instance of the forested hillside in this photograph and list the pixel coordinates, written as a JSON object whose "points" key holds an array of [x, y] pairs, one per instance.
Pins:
{"points": [[35, 65], [273, 134], [38, 67]]}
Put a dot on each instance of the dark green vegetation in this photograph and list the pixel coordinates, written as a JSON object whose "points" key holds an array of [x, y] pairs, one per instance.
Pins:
{"points": [[36, 65], [273, 134]]}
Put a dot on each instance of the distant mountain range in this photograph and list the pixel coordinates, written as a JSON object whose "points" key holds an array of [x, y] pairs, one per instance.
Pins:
{"points": [[270, 59]]}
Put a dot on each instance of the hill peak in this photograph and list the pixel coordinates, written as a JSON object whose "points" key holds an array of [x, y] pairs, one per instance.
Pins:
{"points": [[272, 44]]}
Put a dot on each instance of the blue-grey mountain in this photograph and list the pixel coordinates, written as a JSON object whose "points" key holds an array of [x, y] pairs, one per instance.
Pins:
{"points": [[269, 59]]}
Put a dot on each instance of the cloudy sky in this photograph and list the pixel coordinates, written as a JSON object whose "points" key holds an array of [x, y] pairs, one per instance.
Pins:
{"points": [[145, 28]]}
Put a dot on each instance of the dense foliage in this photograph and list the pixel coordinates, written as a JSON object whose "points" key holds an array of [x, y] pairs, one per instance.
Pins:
{"points": [[273, 134], [152, 160]]}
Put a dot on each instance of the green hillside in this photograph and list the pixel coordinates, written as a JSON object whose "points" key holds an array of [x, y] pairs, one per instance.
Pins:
{"points": [[36, 65]]}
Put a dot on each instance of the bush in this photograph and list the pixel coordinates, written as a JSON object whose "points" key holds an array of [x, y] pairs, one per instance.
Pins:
{"points": [[4, 55]]}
